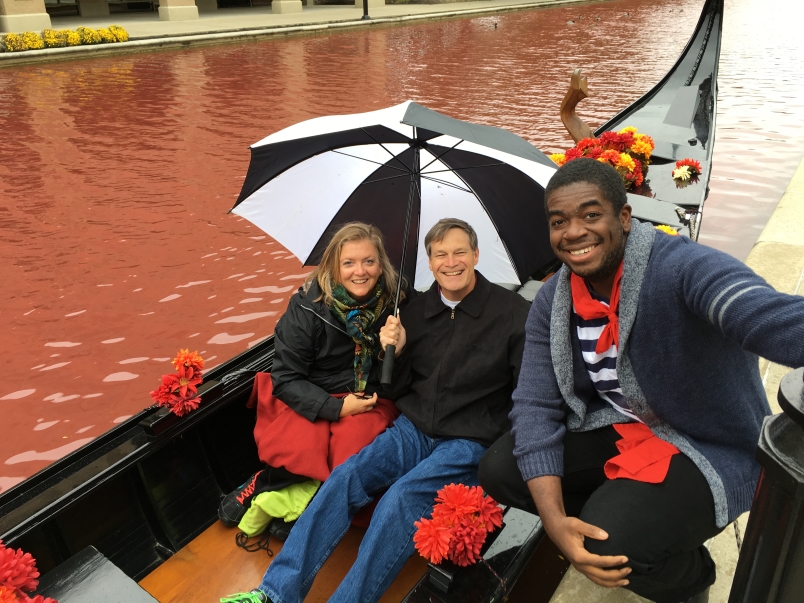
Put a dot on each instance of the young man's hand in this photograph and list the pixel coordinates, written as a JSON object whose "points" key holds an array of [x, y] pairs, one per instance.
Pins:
{"points": [[393, 333], [568, 534], [355, 405]]}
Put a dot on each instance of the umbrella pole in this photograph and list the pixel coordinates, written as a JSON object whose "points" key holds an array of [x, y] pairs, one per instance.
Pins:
{"points": [[390, 350]]}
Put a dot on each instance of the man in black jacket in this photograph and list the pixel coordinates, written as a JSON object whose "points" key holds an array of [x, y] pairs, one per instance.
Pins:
{"points": [[458, 358]]}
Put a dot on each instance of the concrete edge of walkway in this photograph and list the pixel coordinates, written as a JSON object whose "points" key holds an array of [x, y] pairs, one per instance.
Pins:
{"points": [[778, 257], [144, 44]]}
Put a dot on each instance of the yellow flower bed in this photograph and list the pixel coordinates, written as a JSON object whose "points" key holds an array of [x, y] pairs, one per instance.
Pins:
{"points": [[52, 38], [89, 35]]}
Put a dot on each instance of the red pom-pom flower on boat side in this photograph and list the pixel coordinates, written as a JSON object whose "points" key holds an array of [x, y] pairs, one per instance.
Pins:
{"points": [[18, 576], [461, 520], [178, 390]]}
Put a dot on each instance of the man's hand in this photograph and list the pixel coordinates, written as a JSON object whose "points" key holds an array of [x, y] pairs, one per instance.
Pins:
{"points": [[568, 534], [393, 333], [355, 405]]}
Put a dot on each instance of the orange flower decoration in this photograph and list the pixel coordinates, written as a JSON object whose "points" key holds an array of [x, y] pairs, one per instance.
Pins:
{"points": [[188, 359], [178, 390], [7, 595]]}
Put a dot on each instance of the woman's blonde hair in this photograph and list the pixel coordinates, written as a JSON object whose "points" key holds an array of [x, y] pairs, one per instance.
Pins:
{"points": [[328, 271]]}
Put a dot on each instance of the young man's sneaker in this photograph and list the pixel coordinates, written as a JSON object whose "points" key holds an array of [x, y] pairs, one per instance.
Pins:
{"points": [[235, 504], [253, 596]]}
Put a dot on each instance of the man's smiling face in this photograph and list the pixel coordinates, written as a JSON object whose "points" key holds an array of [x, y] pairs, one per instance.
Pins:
{"points": [[585, 231]]}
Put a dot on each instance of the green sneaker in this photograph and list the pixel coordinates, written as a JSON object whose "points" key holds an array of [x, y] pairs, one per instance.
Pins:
{"points": [[253, 596]]}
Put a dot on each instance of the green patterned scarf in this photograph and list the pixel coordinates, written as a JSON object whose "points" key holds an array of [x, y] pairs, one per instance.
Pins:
{"points": [[358, 318]]}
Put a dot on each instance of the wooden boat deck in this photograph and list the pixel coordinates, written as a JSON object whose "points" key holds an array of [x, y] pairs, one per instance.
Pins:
{"points": [[212, 566]]}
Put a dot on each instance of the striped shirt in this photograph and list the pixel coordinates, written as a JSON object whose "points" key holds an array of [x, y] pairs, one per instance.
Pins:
{"points": [[602, 368]]}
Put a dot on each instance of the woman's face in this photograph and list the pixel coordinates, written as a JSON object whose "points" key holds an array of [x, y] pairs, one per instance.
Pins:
{"points": [[359, 269]]}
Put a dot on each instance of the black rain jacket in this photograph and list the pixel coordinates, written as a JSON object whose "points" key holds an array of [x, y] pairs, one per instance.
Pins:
{"points": [[314, 357], [456, 374]]}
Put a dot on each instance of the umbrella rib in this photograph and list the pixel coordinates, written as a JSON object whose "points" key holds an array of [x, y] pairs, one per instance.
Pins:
{"points": [[385, 149], [440, 156], [388, 178], [445, 183], [468, 167], [370, 161]]}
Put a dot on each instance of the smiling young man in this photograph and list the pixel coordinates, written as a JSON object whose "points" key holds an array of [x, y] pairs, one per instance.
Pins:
{"points": [[639, 402], [458, 356]]}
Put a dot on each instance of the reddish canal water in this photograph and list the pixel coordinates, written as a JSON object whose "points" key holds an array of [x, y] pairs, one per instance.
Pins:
{"points": [[116, 175]]}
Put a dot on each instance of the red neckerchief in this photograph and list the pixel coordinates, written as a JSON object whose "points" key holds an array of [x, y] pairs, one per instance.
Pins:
{"points": [[643, 457], [588, 308]]}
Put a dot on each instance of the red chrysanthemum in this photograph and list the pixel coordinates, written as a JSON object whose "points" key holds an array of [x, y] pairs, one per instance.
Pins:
{"points": [[594, 152], [183, 406], [188, 359], [467, 540], [573, 153], [188, 379], [455, 501], [587, 143], [38, 599], [432, 539], [163, 394], [490, 513], [17, 569], [618, 141]]}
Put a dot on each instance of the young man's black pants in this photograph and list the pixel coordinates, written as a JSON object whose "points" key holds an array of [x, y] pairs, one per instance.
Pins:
{"points": [[661, 528]]}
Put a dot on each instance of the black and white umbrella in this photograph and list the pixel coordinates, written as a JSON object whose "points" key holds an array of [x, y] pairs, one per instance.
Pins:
{"points": [[379, 167]]}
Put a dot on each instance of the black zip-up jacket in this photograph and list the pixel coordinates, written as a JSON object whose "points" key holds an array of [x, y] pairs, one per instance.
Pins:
{"points": [[314, 357], [455, 376]]}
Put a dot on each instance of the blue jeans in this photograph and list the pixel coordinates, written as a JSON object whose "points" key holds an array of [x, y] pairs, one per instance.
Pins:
{"points": [[415, 466]]}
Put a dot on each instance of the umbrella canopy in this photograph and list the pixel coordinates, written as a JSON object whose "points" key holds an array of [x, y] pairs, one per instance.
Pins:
{"points": [[307, 180]]}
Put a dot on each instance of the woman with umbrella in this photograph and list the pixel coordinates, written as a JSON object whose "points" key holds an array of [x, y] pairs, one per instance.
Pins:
{"points": [[322, 402]]}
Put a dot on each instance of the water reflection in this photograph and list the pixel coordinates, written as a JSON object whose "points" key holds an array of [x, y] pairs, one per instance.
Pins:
{"points": [[116, 175]]}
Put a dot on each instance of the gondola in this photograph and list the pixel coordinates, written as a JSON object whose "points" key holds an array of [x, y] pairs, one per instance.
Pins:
{"points": [[132, 498]]}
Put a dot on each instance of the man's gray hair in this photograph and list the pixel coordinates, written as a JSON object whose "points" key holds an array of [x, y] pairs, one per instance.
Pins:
{"points": [[440, 229]]}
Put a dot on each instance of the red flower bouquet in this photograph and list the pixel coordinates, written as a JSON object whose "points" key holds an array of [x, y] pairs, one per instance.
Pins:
{"points": [[686, 172], [627, 151], [18, 576], [178, 390], [461, 519]]}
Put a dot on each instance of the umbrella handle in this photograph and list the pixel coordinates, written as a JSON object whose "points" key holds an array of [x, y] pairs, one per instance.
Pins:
{"points": [[388, 365]]}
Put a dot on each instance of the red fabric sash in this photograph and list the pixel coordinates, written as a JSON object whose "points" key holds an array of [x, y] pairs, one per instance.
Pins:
{"points": [[286, 439], [643, 456], [589, 308]]}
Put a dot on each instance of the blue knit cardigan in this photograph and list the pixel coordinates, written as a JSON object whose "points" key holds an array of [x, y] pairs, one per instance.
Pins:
{"points": [[692, 322]]}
